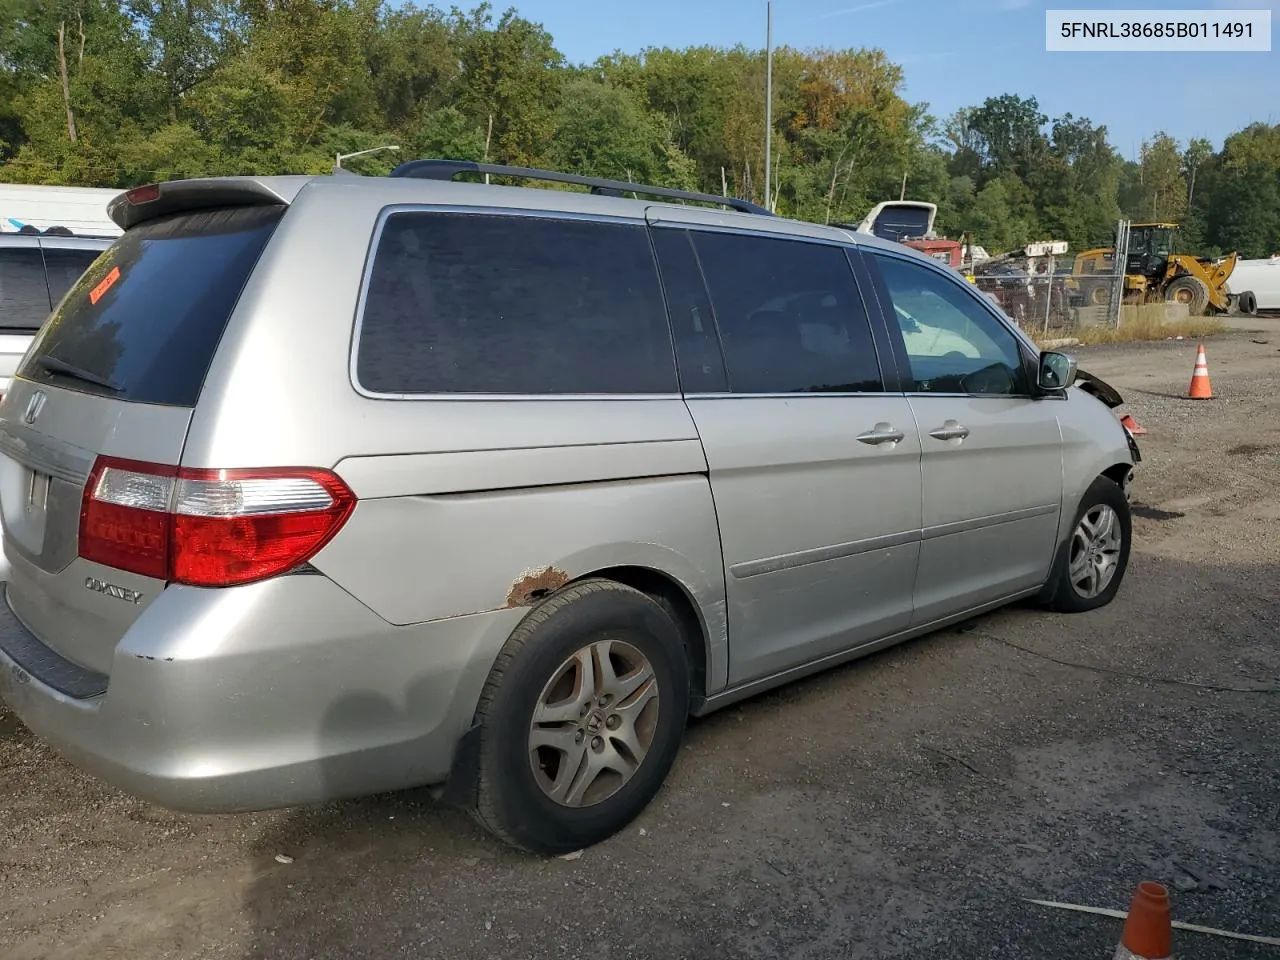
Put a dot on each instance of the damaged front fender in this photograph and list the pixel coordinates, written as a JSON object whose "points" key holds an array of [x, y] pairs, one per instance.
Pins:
{"points": [[1110, 396], [1099, 388]]}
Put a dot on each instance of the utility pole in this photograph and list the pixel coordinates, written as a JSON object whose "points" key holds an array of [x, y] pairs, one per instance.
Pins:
{"points": [[768, 104]]}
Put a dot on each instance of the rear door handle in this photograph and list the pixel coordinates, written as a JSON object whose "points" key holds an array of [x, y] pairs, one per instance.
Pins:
{"points": [[883, 433], [951, 430]]}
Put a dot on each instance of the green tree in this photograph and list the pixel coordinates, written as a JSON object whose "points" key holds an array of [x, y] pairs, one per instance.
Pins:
{"points": [[1163, 193], [1199, 151], [185, 42], [414, 63], [1076, 184], [1244, 209], [603, 131], [1009, 130], [118, 92], [510, 82], [446, 133], [1003, 215], [317, 50]]}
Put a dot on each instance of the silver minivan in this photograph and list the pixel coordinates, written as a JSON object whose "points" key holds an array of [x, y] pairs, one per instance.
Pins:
{"points": [[323, 486]]}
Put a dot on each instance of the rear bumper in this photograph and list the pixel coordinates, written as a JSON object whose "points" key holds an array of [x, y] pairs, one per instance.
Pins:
{"points": [[277, 694]]}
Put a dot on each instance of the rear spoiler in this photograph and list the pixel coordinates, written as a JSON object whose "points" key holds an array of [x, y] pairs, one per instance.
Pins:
{"points": [[178, 196]]}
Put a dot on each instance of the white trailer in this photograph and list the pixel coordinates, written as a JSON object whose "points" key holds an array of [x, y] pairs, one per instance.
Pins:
{"points": [[82, 210]]}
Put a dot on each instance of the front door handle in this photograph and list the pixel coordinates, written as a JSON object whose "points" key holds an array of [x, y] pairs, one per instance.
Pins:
{"points": [[883, 433], [951, 430]]}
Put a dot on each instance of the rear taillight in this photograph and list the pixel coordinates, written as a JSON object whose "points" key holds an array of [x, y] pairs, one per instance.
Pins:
{"points": [[208, 528]]}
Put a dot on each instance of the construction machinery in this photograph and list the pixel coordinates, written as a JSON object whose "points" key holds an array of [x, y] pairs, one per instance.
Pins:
{"points": [[1154, 272]]}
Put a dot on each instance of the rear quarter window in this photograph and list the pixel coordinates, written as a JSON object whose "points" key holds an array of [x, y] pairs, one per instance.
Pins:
{"points": [[143, 322], [485, 303]]}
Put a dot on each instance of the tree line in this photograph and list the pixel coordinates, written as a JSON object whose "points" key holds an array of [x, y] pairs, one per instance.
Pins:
{"points": [[117, 93]]}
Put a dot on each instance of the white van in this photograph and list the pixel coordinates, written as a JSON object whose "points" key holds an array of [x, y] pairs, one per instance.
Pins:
{"points": [[1262, 277], [48, 236]]}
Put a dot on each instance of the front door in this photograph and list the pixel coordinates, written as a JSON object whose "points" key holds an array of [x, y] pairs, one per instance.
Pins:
{"points": [[814, 469], [991, 463]]}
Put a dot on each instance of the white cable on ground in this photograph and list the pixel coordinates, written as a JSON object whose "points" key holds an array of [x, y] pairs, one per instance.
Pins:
{"points": [[1177, 924]]}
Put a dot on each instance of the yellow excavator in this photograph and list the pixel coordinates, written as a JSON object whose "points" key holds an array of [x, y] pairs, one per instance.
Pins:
{"points": [[1153, 272]]}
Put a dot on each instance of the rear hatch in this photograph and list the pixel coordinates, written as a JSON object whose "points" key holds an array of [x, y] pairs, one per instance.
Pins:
{"points": [[112, 379]]}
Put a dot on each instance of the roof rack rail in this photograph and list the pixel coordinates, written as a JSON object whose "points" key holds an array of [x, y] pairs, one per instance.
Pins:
{"points": [[449, 170]]}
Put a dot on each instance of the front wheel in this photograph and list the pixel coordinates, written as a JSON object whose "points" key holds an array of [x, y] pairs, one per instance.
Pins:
{"points": [[1189, 291], [1095, 557], [581, 718]]}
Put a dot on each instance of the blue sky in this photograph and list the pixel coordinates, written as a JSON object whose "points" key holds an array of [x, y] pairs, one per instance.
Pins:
{"points": [[958, 53]]}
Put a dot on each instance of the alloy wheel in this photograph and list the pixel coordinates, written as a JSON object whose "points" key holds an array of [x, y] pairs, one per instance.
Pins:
{"points": [[594, 723]]}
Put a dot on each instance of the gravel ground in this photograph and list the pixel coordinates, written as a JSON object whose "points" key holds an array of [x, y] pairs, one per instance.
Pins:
{"points": [[898, 807]]}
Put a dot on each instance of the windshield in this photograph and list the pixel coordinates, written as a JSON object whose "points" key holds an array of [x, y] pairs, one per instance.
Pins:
{"points": [[1160, 242]]}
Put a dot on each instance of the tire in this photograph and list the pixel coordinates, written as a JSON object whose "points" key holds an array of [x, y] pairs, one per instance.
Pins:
{"points": [[1247, 304], [1062, 593], [516, 779], [1099, 296], [1189, 290]]}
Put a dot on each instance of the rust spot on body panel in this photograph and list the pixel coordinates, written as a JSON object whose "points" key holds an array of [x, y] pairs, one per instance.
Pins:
{"points": [[533, 585]]}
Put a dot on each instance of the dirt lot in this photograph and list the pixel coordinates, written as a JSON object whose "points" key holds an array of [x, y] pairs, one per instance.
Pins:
{"points": [[898, 807]]}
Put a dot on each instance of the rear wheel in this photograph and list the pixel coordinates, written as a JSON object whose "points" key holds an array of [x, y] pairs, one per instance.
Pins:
{"points": [[581, 718], [1190, 291], [1093, 561]]}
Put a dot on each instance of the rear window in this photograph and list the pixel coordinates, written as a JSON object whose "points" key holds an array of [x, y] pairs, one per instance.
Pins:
{"points": [[24, 297], [480, 303], [144, 321]]}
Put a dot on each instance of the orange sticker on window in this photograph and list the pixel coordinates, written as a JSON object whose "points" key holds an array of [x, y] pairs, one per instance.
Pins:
{"points": [[105, 284]]}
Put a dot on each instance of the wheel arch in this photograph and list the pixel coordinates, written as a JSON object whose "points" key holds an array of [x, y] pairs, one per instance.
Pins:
{"points": [[707, 655], [678, 601], [1118, 473]]}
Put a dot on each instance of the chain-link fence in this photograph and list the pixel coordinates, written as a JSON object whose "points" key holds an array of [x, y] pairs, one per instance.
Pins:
{"points": [[1052, 304], [1058, 293]]}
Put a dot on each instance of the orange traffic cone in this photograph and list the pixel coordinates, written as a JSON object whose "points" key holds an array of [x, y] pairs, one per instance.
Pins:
{"points": [[1200, 386], [1148, 929], [1133, 426]]}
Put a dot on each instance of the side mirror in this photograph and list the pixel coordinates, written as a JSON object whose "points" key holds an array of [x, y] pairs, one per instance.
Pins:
{"points": [[1057, 371]]}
